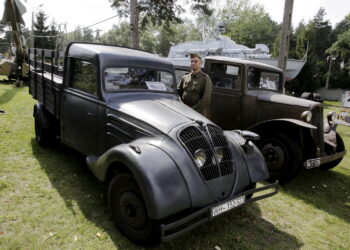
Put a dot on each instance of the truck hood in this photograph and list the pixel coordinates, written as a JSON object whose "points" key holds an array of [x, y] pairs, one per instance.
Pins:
{"points": [[157, 111], [284, 99]]}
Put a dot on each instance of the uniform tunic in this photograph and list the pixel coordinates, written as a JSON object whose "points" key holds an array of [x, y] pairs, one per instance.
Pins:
{"points": [[195, 90]]}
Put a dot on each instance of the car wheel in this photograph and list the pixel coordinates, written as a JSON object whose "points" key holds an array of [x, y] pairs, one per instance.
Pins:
{"points": [[43, 136], [129, 211], [340, 148], [282, 155]]}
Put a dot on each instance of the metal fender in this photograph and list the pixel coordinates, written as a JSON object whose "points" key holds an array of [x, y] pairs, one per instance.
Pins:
{"points": [[271, 123], [253, 158], [161, 183], [39, 112]]}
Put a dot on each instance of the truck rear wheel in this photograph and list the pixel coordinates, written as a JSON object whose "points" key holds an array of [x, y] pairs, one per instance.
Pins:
{"points": [[340, 148], [44, 136], [282, 155], [129, 211]]}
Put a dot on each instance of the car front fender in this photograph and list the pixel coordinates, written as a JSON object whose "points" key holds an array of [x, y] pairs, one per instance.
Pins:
{"points": [[274, 122], [252, 156], [160, 181]]}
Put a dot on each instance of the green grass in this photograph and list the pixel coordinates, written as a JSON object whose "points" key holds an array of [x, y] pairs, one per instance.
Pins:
{"points": [[49, 199]]}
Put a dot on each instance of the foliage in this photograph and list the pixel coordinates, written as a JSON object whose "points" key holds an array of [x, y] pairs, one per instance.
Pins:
{"points": [[157, 13], [118, 35], [248, 23], [83, 34], [153, 38], [50, 200], [339, 52], [45, 36], [317, 37], [160, 11]]}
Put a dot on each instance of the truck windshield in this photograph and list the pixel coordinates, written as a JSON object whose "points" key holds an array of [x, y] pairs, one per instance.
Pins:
{"points": [[131, 78], [263, 79]]}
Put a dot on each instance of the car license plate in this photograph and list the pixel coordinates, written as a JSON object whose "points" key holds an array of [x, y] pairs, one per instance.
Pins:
{"points": [[228, 205], [313, 163]]}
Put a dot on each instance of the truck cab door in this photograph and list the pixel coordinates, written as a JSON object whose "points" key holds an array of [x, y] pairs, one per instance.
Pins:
{"points": [[79, 107], [225, 107]]}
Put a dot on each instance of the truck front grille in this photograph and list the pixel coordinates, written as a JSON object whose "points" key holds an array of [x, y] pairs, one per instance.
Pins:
{"points": [[209, 139]]}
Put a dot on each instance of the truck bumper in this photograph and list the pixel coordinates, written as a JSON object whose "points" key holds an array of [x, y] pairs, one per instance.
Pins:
{"points": [[181, 226], [316, 162]]}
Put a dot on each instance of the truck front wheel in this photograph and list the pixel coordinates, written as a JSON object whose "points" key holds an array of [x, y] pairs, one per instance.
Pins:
{"points": [[129, 211], [282, 155]]}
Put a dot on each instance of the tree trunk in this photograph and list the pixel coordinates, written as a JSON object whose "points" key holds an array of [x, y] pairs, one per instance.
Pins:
{"points": [[134, 24], [284, 45]]}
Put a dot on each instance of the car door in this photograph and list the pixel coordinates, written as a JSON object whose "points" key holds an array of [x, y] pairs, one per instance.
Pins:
{"points": [[225, 107], [80, 105]]}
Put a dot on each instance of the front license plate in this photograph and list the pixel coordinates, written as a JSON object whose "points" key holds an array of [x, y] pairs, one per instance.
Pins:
{"points": [[313, 163], [228, 205]]}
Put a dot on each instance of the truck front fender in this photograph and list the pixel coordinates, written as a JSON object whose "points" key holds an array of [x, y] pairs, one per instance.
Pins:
{"points": [[281, 122], [160, 181]]}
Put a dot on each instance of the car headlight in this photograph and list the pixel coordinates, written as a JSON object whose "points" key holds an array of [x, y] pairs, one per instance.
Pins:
{"points": [[219, 154], [331, 116], [200, 157], [306, 116]]}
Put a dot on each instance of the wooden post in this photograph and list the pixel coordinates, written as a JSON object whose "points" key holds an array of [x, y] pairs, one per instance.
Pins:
{"points": [[134, 24], [285, 34]]}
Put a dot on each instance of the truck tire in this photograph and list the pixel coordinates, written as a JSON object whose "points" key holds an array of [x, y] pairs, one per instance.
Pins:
{"points": [[283, 157], [340, 148], [129, 211], [43, 136]]}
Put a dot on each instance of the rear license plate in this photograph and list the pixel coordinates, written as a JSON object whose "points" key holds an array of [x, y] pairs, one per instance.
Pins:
{"points": [[227, 206], [313, 163]]}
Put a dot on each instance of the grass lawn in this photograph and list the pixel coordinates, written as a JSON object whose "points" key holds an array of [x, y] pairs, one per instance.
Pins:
{"points": [[49, 199]]}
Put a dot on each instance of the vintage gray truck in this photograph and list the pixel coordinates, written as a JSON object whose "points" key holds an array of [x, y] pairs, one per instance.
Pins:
{"points": [[250, 95], [169, 169]]}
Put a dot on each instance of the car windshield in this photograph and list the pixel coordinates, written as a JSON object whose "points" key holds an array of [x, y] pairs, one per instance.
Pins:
{"points": [[132, 78], [263, 79]]}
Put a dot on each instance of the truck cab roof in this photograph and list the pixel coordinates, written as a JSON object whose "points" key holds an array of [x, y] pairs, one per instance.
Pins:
{"points": [[109, 55]]}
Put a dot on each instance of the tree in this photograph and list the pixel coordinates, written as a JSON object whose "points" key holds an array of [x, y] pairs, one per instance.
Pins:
{"points": [[88, 35], [339, 53], [41, 30], [317, 36], [53, 33], [156, 11], [248, 23], [118, 35]]}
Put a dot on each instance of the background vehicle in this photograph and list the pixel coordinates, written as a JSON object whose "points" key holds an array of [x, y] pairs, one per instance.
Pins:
{"points": [[169, 169], [250, 95]]}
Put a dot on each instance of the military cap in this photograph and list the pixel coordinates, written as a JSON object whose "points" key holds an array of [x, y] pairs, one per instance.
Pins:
{"points": [[196, 55]]}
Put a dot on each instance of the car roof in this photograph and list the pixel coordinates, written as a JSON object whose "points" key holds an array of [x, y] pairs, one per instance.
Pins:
{"points": [[242, 61], [109, 55]]}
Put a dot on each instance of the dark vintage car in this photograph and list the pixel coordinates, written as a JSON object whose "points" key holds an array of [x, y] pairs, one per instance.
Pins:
{"points": [[169, 168], [294, 133]]}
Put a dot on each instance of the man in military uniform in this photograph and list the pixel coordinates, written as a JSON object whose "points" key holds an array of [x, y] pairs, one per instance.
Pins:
{"points": [[195, 88]]}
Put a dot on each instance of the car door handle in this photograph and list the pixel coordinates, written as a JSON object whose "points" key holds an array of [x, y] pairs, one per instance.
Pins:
{"points": [[91, 114]]}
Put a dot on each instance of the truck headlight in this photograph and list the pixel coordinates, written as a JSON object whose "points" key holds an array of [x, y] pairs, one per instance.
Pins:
{"points": [[331, 116], [306, 116], [219, 154], [200, 157]]}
